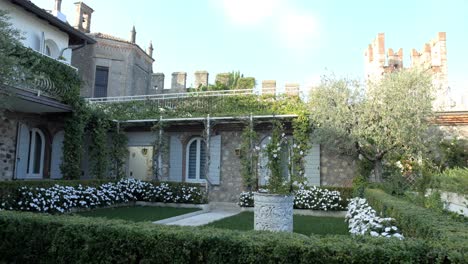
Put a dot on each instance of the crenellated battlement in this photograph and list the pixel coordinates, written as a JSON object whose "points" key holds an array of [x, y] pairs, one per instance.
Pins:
{"points": [[432, 57], [201, 78]]}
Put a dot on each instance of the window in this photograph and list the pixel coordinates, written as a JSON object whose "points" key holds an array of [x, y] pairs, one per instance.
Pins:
{"points": [[100, 82], [36, 153], [196, 160]]}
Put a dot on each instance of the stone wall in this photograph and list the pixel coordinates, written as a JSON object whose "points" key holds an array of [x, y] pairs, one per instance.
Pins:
{"points": [[8, 131], [336, 169], [231, 180]]}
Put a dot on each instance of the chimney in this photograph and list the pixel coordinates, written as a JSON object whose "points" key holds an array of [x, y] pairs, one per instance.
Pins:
{"points": [[133, 35], [83, 17], [58, 5], [179, 82], [201, 79], [150, 49], [291, 89]]}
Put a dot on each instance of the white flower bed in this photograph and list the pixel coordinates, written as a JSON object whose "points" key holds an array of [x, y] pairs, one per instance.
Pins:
{"points": [[60, 199], [305, 198], [362, 220], [317, 199]]}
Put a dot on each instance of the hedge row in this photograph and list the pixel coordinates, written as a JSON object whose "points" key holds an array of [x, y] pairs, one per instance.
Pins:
{"points": [[415, 221], [37, 238]]}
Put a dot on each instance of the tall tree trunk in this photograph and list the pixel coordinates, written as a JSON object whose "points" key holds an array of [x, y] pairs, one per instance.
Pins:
{"points": [[377, 174]]}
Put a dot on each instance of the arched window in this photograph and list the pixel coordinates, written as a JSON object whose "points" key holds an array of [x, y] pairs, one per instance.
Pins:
{"points": [[195, 160], [36, 154]]}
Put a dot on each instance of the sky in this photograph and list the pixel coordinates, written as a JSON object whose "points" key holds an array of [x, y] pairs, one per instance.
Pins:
{"points": [[285, 40]]}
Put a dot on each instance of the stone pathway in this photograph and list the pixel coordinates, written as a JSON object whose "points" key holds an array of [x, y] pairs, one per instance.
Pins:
{"points": [[201, 217]]}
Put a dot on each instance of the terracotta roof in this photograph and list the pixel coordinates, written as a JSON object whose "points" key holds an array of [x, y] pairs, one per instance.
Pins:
{"points": [[452, 118]]}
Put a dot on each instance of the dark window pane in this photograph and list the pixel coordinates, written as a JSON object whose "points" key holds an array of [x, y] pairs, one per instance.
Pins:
{"points": [[202, 159], [37, 153], [192, 169], [100, 82]]}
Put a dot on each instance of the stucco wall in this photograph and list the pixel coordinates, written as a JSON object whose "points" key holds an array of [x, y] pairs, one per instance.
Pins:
{"points": [[32, 28]]}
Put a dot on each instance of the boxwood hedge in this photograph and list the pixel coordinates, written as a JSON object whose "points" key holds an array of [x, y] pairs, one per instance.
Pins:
{"points": [[39, 238], [439, 229]]}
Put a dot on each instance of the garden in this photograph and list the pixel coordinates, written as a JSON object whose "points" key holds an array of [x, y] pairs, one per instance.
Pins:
{"points": [[395, 211]]}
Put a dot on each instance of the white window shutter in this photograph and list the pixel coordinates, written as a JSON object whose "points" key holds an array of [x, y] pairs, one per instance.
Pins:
{"points": [[175, 159], [22, 152], [312, 165], [57, 155], [215, 160]]}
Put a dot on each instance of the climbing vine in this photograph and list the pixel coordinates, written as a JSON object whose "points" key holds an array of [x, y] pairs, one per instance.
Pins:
{"points": [[98, 149], [118, 152], [160, 147], [249, 154], [301, 145], [277, 183]]}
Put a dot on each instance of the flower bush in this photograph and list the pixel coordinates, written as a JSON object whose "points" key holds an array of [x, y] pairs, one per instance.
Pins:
{"points": [[246, 199], [60, 199], [314, 198], [317, 199], [363, 220]]}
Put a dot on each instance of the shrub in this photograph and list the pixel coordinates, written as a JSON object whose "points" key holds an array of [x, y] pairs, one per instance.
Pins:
{"points": [[38, 238], [60, 199], [415, 221], [246, 199], [452, 180]]}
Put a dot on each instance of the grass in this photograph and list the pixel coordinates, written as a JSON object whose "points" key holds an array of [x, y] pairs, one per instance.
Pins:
{"points": [[138, 213], [302, 224]]}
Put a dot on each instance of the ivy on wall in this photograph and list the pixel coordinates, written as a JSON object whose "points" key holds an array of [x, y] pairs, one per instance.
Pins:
{"points": [[118, 152], [98, 150]]}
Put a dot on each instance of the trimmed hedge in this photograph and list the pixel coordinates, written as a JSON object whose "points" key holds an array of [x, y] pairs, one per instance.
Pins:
{"points": [[440, 229], [27, 237]]}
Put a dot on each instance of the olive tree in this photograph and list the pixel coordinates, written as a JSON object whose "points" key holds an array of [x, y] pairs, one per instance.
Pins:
{"points": [[372, 121]]}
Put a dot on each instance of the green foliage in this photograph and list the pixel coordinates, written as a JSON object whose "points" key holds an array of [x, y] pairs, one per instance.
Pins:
{"points": [[246, 83], [9, 43], [387, 117], [452, 180], [118, 154], [359, 185], [302, 128], [201, 106], [138, 213], [249, 157], [439, 229], [28, 238], [452, 153], [98, 126]]}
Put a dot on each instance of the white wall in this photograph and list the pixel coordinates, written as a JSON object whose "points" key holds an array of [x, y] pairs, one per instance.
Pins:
{"points": [[32, 28]]}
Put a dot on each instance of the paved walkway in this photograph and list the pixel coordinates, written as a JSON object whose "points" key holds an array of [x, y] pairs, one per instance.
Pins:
{"points": [[201, 217]]}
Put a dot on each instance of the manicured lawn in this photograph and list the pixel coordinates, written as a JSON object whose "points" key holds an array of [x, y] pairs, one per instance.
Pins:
{"points": [[302, 224], [138, 213]]}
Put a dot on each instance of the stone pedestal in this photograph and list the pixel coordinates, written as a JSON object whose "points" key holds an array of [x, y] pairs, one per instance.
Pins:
{"points": [[273, 212]]}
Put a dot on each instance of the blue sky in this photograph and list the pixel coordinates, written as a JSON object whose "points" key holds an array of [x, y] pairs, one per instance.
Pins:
{"points": [[289, 41]]}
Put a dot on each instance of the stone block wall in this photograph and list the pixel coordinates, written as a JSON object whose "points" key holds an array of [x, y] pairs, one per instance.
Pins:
{"points": [[231, 180], [336, 169], [8, 131]]}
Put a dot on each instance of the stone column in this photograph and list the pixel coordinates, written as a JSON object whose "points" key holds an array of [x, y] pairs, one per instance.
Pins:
{"points": [[201, 79], [268, 87], [179, 82]]}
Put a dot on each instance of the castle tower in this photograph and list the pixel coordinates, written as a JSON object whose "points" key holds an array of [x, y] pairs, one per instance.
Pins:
{"points": [[83, 17], [374, 58]]}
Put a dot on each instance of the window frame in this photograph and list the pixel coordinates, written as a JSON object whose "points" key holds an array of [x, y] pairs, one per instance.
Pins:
{"points": [[198, 141], [32, 157]]}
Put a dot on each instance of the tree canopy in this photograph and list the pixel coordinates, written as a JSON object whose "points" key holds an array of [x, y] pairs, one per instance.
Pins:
{"points": [[389, 116]]}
